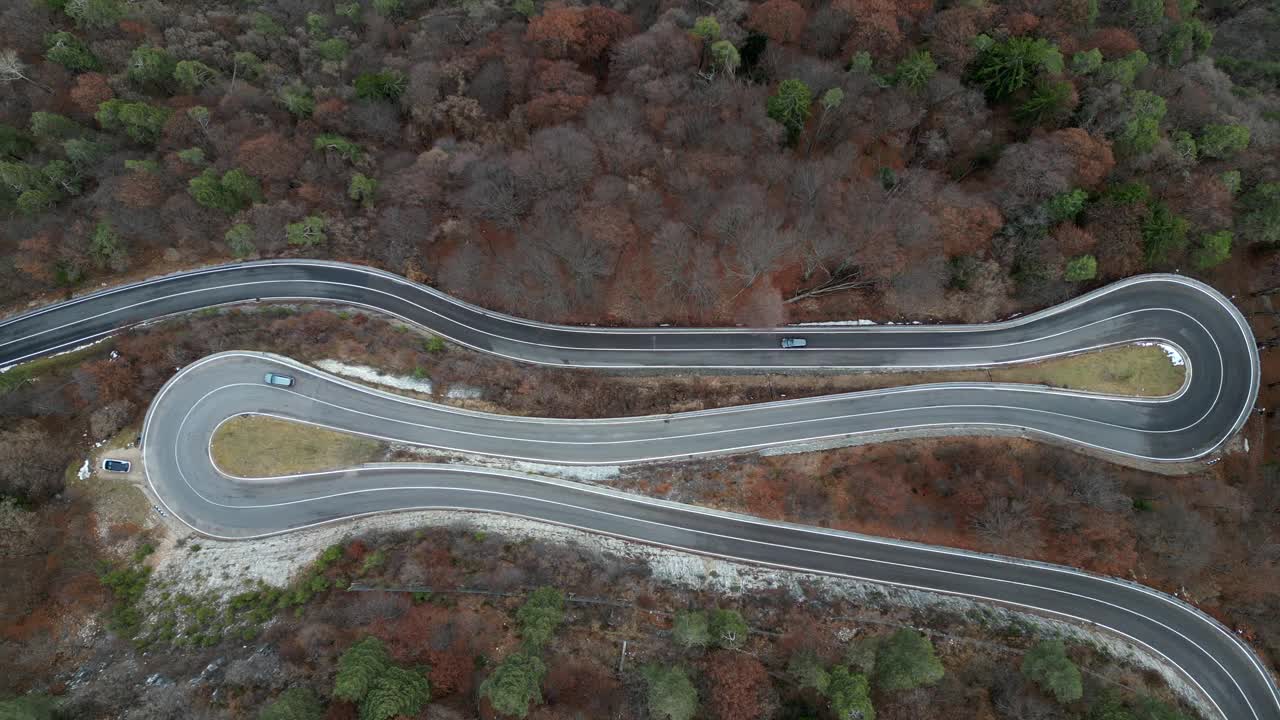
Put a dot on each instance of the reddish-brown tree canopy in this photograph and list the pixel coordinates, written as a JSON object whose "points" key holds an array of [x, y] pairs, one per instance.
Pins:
{"points": [[578, 33], [781, 20]]}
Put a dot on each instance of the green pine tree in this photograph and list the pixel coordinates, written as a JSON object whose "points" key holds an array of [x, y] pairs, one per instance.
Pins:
{"points": [[359, 668], [670, 694], [540, 616], [1047, 665], [906, 660], [515, 684]]}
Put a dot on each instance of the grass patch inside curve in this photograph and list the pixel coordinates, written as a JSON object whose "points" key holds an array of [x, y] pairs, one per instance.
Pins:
{"points": [[1134, 370], [259, 446]]}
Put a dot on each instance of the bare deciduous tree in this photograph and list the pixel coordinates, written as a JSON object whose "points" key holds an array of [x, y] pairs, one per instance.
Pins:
{"points": [[1098, 491], [1006, 525], [683, 267], [492, 193], [33, 469], [12, 68], [757, 250]]}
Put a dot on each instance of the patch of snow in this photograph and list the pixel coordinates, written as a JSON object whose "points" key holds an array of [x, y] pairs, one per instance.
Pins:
{"points": [[375, 376], [581, 473], [836, 323], [84, 471], [1175, 357], [464, 392], [830, 323], [77, 348]]}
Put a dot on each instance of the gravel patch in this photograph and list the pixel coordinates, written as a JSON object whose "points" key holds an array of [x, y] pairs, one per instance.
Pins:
{"points": [[375, 376], [580, 473]]}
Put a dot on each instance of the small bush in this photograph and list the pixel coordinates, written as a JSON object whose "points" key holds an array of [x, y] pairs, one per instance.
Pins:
{"points": [[670, 694], [906, 660], [1066, 206], [728, 629], [691, 629], [240, 241], [1087, 62], [916, 70], [150, 65], [340, 146], [1214, 250], [307, 233], [333, 49], [68, 51], [1079, 269], [1164, 234], [515, 684], [1048, 666], [234, 190], [385, 85], [1008, 66], [540, 616], [191, 75], [143, 123], [1223, 141], [297, 99]]}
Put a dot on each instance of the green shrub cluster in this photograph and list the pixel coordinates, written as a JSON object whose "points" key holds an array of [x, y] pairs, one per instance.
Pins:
{"points": [[233, 190]]}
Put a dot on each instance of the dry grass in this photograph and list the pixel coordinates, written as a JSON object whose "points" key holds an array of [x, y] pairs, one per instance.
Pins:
{"points": [[1138, 370], [256, 446], [116, 498]]}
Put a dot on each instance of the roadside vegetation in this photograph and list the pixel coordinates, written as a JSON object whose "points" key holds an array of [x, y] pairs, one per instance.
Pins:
{"points": [[755, 163], [260, 446], [1007, 496], [387, 626]]}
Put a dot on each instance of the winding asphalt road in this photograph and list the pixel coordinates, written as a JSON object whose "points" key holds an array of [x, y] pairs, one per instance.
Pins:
{"points": [[1210, 333], [1207, 330]]}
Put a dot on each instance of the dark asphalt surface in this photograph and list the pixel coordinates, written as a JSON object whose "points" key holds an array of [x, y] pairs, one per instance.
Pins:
{"points": [[1207, 329], [1212, 335], [186, 413]]}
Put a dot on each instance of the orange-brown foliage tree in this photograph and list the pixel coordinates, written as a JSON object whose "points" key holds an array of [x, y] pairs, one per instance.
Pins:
{"points": [[1113, 42], [577, 33], [737, 682], [601, 28], [781, 20], [90, 90], [875, 27], [271, 157], [554, 109]]}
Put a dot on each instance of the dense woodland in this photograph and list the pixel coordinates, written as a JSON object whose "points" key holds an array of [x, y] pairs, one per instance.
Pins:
{"points": [[690, 162]]}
